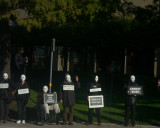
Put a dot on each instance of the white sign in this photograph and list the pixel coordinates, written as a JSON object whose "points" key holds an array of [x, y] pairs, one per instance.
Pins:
{"points": [[96, 101], [68, 87], [4, 85], [96, 90], [138, 90], [50, 98], [23, 91]]}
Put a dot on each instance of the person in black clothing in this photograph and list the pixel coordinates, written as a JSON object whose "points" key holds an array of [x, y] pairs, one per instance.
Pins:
{"points": [[20, 64], [22, 95], [130, 103], [67, 97], [5, 98], [94, 89], [48, 107]]}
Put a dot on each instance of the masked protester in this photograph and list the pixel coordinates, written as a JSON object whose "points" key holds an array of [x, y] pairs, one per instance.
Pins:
{"points": [[131, 100], [48, 107], [67, 97], [5, 98], [22, 95], [94, 85]]}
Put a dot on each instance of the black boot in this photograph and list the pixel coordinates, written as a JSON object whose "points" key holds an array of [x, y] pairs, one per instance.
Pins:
{"points": [[57, 118], [47, 117]]}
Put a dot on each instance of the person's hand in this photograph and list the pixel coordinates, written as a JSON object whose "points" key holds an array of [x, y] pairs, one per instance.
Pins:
{"points": [[26, 61], [54, 92], [61, 101], [88, 98], [158, 83], [77, 78]]}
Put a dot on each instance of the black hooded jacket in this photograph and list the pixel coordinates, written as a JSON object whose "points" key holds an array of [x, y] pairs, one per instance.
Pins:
{"points": [[130, 99], [94, 85], [22, 97], [5, 94], [68, 96]]}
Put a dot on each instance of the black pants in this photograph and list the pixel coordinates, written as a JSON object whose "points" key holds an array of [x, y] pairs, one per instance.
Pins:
{"points": [[128, 108], [4, 109], [21, 107], [98, 113], [71, 108]]}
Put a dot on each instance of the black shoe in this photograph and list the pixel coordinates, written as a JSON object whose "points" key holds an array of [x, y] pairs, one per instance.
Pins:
{"points": [[70, 123], [57, 118], [133, 125], [5, 121], [64, 123], [89, 123], [99, 123], [126, 125], [47, 117]]}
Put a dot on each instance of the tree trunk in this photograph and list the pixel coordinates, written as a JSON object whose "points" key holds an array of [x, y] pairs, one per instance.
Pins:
{"points": [[6, 54]]}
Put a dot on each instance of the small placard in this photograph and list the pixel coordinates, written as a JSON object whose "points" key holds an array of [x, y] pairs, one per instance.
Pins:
{"points": [[4, 85], [96, 90], [135, 90], [68, 87], [50, 98], [23, 91], [96, 101]]}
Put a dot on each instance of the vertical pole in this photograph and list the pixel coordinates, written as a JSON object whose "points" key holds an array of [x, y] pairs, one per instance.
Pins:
{"points": [[95, 63], [51, 64], [68, 59], [155, 63], [125, 62], [58, 60]]}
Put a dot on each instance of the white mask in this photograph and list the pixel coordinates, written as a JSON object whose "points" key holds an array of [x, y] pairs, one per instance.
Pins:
{"points": [[23, 77], [68, 78], [96, 78], [5, 76], [133, 78], [45, 89]]}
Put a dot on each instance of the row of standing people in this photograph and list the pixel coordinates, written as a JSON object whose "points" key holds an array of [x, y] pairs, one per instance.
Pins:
{"points": [[67, 98], [10, 92]]}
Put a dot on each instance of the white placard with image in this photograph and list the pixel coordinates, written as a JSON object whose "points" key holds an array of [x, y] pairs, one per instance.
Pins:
{"points": [[68, 87]]}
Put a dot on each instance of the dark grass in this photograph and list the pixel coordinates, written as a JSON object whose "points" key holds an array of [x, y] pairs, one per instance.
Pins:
{"points": [[147, 110]]}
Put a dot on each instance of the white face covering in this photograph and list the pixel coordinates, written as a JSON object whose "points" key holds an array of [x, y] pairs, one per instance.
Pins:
{"points": [[45, 89], [5, 76], [23, 77], [133, 78], [96, 78], [68, 78]]}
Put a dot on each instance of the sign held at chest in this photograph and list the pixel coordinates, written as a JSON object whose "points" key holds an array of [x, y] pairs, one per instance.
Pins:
{"points": [[96, 101], [50, 98], [138, 90], [68, 87], [23, 91], [96, 90], [4, 85]]}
